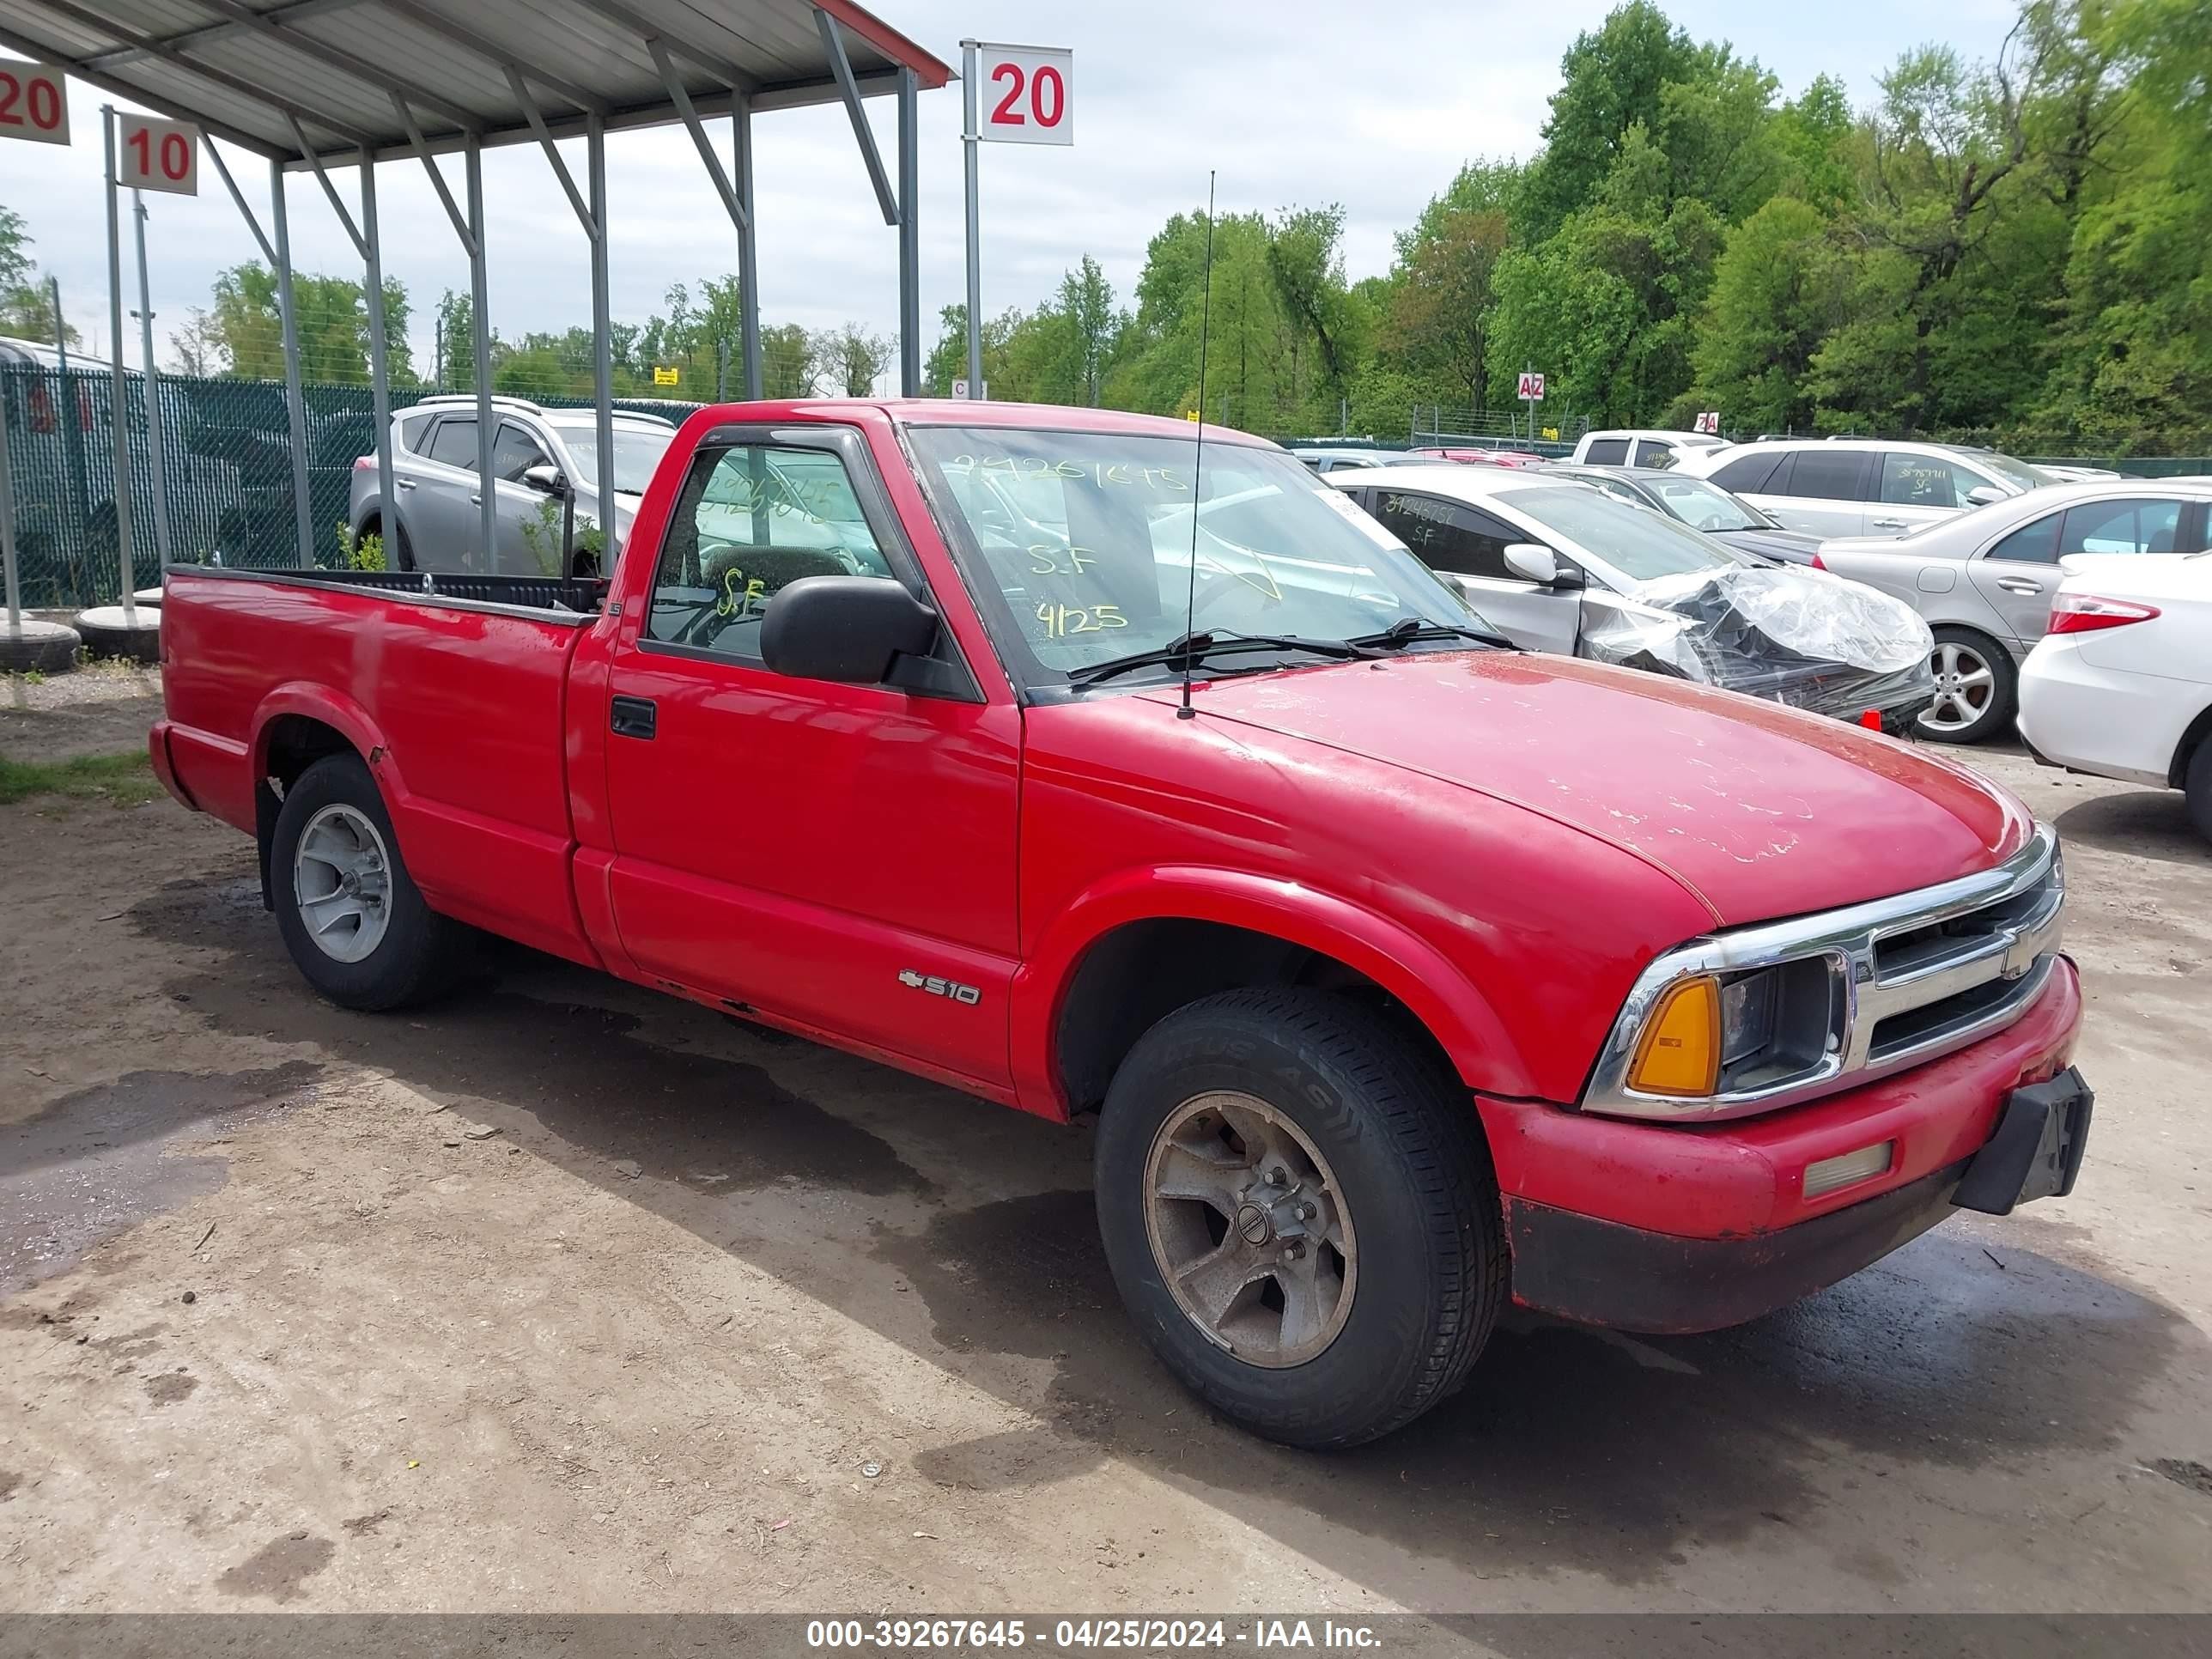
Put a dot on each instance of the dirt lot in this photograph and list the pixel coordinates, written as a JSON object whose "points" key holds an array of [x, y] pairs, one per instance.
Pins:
{"points": [[562, 1296]]}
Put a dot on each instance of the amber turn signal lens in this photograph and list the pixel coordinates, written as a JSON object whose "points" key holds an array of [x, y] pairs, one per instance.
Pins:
{"points": [[1680, 1052]]}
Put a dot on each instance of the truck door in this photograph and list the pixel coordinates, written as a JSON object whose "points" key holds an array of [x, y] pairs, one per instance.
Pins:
{"points": [[840, 855]]}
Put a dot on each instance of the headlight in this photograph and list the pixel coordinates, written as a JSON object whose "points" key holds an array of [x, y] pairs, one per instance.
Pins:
{"points": [[1720, 1034]]}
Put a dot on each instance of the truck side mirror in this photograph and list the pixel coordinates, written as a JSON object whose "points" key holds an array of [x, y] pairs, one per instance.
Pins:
{"points": [[844, 628], [547, 477]]}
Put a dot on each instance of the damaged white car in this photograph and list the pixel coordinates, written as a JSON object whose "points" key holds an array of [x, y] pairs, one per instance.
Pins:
{"points": [[1556, 565]]}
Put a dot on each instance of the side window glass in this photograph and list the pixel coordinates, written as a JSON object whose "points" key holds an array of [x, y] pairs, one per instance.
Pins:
{"points": [[454, 444], [514, 453], [1828, 474], [1910, 480], [1607, 451], [2032, 543], [2121, 527], [752, 519], [1651, 453], [1749, 473], [1447, 537]]}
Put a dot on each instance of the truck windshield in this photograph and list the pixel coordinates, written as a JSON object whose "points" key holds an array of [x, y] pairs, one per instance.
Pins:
{"points": [[1085, 539]]}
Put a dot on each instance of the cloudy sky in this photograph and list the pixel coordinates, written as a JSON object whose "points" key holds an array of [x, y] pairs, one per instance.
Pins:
{"points": [[1293, 101]]}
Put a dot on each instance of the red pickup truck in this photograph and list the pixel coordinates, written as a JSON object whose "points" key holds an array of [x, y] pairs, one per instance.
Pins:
{"points": [[1047, 754]]}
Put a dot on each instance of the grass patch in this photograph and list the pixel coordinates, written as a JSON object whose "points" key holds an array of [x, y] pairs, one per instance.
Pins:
{"points": [[125, 780]]}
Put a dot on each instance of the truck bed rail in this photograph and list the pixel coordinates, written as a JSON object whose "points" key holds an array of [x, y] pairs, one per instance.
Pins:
{"points": [[577, 595]]}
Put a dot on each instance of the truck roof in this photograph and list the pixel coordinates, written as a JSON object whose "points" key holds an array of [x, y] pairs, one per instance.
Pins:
{"points": [[962, 411]]}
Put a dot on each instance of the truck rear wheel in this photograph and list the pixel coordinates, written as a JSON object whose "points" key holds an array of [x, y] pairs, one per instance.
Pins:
{"points": [[351, 915], [1300, 1211]]}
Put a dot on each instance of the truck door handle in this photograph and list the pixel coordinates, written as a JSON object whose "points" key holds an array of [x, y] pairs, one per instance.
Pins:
{"points": [[633, 717], [404, 483], [2019, 585], [1888, 524], [476, 498]]}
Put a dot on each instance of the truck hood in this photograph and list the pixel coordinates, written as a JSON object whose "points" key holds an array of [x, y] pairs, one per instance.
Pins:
{"points": [[1758, 810]]}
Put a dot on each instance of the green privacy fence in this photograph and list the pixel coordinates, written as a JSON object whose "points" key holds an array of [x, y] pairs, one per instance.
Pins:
{"points": [[226, 453], [227, 468]]}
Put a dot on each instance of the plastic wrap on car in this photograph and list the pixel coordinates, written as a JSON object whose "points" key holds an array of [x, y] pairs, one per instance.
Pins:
{"points": [[1802, 637]]}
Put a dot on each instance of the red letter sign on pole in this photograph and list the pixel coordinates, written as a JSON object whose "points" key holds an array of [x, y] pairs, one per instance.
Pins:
{"points": [[157, 154], [1532, 388], [33, 103], [1027, 94]]}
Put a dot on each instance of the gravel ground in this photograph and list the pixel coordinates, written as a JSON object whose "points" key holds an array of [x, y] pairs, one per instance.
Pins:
{"points": [[562, 1296], [101, 708]]}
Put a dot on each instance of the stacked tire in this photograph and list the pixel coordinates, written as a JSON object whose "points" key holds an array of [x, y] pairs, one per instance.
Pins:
{"points": [[133, 636], [37, 647]]}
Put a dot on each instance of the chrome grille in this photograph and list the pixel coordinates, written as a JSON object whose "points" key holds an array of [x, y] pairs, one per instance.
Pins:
{"points": [[1917, 976]]}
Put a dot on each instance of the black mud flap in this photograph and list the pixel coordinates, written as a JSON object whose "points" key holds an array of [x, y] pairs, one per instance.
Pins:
{"points": [[2036, 1151]]}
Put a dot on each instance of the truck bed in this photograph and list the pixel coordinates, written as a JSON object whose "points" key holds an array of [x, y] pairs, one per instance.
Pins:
{"points": [[454, 687]]}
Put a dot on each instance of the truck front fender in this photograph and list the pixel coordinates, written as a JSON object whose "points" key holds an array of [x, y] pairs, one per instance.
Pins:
{"points": [[1434, 990]]}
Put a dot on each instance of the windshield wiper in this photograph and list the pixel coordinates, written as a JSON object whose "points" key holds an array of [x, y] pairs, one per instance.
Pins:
{"points": [[1195, 648], [1404, 631]]}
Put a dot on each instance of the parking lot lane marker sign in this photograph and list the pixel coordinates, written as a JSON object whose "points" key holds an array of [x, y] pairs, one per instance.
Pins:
{"points": [[34, 103], [158, 155]]}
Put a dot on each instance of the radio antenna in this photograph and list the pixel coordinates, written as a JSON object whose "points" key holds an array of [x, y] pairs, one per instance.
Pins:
{"points": [[1198, 457]]}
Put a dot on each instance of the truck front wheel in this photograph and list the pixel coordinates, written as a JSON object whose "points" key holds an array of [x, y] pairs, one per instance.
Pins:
{"points": [[349, 913], [1300, 1211]]}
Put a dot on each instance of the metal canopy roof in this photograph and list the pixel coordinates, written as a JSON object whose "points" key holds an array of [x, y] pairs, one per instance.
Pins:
{"points": [[246, 70]]}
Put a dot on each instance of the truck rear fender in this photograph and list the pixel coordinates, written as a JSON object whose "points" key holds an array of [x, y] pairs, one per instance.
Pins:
{"points": [[1143, 943], [296, 725]]}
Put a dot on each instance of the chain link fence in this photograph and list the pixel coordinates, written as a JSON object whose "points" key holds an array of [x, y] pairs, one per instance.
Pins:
{"points": [[226, 450], [226, 465]]}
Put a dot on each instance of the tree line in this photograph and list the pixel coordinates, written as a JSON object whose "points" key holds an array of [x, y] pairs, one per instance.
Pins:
{"points": [[2012, 250]]}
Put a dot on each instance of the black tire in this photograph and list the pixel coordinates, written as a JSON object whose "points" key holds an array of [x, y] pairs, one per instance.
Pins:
{"points": [[38, 648], [401, 550], [1406, 1153], [1996, 714], [420, 951], [108, 630], [2197, 781]]}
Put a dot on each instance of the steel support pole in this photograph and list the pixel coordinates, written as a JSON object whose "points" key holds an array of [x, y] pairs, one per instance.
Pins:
{"points": [[295, 407], [117, 404], [971, 142], [602, 367], [909, 183], [150, 385], [9, 579], [379, 364], [741, 121], [480, 309]]}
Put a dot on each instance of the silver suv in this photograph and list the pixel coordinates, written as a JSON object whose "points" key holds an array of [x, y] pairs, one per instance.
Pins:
{"points": [[436, 522], [1861, 486], [1985, 580]]}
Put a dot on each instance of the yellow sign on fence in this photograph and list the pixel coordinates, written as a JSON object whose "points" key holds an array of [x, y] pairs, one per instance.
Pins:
{"points": [[664, 376], [1552, 434]]}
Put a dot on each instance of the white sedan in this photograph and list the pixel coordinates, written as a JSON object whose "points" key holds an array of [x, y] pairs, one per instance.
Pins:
{"points": [[2121, 682]]}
